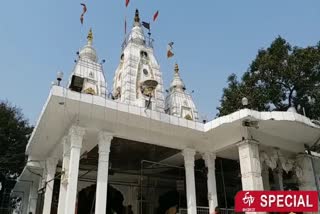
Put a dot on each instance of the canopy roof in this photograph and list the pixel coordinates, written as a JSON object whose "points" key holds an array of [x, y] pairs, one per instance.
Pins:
{"points": [[288, 131]]}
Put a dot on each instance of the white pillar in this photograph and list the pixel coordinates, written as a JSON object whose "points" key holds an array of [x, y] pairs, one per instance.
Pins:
{"points": [[278, 177], [51, 166], [76, 136], [265, 176], [305, 173], [64, 176], [188, 155], [210, 159], [104, 141], [250, 165], [33, 198]]}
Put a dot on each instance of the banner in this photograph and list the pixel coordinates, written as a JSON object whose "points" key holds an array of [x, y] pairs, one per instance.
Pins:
{"points": [[276, 201]]}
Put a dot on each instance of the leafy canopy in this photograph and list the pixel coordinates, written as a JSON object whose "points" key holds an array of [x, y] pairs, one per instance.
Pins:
{"points": [[14, 135], [279, 77]]}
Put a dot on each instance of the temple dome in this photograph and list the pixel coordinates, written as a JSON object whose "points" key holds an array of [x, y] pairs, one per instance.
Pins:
{"points": [[88, 52], [177, 83]]}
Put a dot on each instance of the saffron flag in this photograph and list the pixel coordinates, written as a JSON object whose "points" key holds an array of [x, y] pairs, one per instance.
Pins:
{"points": [[127, 3], [84, 10], [146, 25], [155, 16], [169, 50]]}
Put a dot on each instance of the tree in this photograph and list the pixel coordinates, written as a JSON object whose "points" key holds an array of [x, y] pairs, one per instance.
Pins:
{"points": [[279, 77], [14, 134]]}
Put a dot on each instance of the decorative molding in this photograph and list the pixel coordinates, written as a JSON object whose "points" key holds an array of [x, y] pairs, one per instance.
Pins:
{"points": [[76, 134], [277, 160]]}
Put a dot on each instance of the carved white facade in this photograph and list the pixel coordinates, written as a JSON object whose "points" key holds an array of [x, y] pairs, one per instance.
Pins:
{"points": [[178, 102], [138, 68], [87, 76]]}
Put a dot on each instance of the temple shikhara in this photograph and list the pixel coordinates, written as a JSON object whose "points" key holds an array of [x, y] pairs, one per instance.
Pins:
{"points": [[141, 148]]}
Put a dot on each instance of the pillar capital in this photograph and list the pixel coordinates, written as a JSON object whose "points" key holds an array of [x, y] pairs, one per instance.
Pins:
{"points": [[209, 159], [76, 134], [188, 155], [104, 141]]}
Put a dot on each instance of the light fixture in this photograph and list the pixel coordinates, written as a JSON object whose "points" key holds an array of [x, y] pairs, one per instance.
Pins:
{"points": [[244, 101], [59, 77]]}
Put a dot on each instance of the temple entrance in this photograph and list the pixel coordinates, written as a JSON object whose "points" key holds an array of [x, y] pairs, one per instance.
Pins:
{"points": [[139, 174], [143, 179], [86, 201]]}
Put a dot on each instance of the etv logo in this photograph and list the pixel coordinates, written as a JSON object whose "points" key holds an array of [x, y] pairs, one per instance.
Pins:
{"points": [[276, 201], [248, 199]]}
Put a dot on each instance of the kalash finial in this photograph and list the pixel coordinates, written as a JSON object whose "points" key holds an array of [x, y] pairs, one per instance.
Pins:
{"points": [[136, 17], [176, 68], [90, 37]]}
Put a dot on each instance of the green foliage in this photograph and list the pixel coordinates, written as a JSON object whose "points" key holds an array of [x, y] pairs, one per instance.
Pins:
{"points": [[14, 134], [279, 77]]}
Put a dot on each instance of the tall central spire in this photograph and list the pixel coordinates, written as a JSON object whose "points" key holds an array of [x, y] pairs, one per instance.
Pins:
{"points": [[138, 71], [137, 18]]}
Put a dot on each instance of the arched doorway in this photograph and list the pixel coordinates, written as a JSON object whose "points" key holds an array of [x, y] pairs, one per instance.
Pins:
{"points": [[86, 201]]}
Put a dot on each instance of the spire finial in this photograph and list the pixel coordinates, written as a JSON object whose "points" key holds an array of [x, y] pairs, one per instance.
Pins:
{"points": [[176, 68], [136, 17], [90, 36]]}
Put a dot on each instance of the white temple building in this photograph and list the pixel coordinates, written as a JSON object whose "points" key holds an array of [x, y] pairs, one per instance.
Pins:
{"points": [[136, 150]]}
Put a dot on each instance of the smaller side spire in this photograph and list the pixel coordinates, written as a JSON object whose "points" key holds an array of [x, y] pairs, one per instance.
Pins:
{"points": [[88, 50], [179, 102], [90, 37], [177, 83], [176, 68]]}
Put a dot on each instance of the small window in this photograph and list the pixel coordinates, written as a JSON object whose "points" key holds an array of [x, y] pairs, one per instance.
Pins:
{"points": [[144, 54], [122, 57], [145, 72]]}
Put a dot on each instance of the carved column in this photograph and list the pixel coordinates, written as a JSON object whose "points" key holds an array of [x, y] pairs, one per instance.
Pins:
{"points": [[51, 166], [64, 175], [188, 155], [250, 165], [210, 159], [104, 142], [305, 173], [278, 178], [75, 136], [265, 176]]}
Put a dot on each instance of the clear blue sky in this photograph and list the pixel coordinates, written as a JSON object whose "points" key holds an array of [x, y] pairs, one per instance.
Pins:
{"points": [[212, 40]]}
